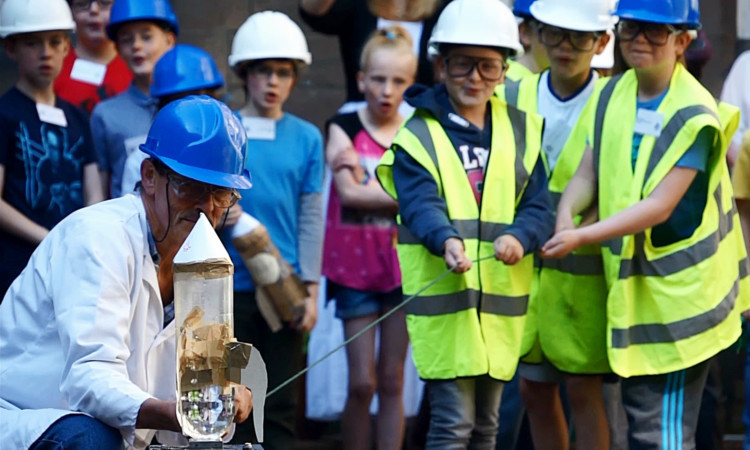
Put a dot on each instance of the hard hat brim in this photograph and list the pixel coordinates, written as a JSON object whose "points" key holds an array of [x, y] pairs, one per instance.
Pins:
{"points": [[571, 19], [212, 177]]}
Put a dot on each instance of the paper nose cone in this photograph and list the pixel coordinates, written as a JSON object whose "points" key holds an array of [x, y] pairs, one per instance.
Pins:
{"points": [[202, 245]]}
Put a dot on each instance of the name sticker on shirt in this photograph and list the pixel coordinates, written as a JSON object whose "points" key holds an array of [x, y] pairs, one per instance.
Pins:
{"points": [[259, 128], [648, 122], [51, 114], [88, 72]]}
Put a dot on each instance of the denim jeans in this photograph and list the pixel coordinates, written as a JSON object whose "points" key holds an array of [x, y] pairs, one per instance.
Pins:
{"points": [[511, 416], [464, 413], [80, 432]]}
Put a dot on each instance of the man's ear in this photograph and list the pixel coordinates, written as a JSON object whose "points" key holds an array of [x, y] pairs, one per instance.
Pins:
{"points": [[148, 176]]}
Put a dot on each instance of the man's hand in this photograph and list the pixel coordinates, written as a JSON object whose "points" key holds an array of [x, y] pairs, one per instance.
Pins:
{"points": [[243, 403], [158, 415], [454, 254], [562, 243], [311, 310], [508, 249]]}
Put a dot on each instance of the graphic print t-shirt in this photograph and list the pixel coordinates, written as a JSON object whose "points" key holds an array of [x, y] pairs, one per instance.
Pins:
{"points": [[43, 168]]}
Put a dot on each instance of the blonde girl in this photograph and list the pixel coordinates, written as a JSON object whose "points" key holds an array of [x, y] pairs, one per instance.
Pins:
{"points": [[359, 258]]}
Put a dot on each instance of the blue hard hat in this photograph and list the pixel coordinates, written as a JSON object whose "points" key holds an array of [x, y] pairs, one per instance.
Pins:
{"points": [[199, 138], [672, 12], [185, 68], [522, 8], [124, 11]]}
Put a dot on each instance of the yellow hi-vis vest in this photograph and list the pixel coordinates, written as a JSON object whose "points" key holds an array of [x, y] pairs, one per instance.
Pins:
{"points": [[567, 314], [468, 324], [515, 72], [673, 306]]}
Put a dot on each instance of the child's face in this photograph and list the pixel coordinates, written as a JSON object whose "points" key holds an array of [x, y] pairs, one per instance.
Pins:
{"points": [[389, 72], [269, 83], [570, 52], [651, 46], [39, 55], [472, 89], [91, 19], [141, 44]]}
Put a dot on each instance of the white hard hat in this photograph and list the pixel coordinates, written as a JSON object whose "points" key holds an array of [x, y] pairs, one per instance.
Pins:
{"points": [[605, 59], [28, 16], [487, 23], [269, 35], [579, 15]]}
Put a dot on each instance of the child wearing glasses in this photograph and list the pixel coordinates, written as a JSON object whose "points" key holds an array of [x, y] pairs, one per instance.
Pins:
{"points": [[471, 188], [142, 30], [672, 248], [285, 156], [359, 258], [564, 337], [93, 70]]}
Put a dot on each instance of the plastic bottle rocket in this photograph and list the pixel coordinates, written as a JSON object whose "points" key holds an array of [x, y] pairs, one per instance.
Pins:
{"points": [[209, 358]]}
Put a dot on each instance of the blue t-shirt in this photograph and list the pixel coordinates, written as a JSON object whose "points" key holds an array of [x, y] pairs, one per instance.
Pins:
{"points": [[119, 125], [43, 170], [282, 170], [688, 213]]}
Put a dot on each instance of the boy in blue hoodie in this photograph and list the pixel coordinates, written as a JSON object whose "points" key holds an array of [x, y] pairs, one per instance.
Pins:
{"points": [[470, 184]]}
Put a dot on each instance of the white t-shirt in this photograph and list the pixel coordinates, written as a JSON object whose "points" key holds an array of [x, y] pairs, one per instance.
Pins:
{"points": [[560, 116]]}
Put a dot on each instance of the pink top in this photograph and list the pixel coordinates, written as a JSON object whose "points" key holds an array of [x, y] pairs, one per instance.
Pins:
{"points": [[360, 244]]}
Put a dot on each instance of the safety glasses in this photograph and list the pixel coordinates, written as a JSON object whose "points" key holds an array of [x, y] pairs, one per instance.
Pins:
{"points": [[579, 40], [490, 69], [194, 191], [655, 33]]}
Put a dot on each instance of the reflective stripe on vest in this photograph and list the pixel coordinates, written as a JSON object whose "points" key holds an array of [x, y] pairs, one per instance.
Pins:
{"points": [[674, 306], [482, 309], [655, 333], [433, 305], [682, 259]]}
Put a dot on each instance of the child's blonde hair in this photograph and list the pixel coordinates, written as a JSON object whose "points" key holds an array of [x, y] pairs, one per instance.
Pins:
{"points": [[393, 37]]}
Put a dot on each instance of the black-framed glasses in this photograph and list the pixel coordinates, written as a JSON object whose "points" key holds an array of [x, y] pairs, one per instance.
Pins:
{"points": [[85, 5], [655, 33], [490, 69], [193, 191], [579, 40]]}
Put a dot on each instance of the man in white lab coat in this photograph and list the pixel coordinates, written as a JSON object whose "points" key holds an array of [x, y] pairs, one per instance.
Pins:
{"points": [[86, 337]]}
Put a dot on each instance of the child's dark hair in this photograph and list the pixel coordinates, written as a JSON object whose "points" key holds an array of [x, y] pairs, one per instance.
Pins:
{"points": [[394, 37]]}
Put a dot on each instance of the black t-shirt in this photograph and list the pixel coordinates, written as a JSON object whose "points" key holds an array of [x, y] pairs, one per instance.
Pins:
{"points": [[353, 23], [43, 165]]}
